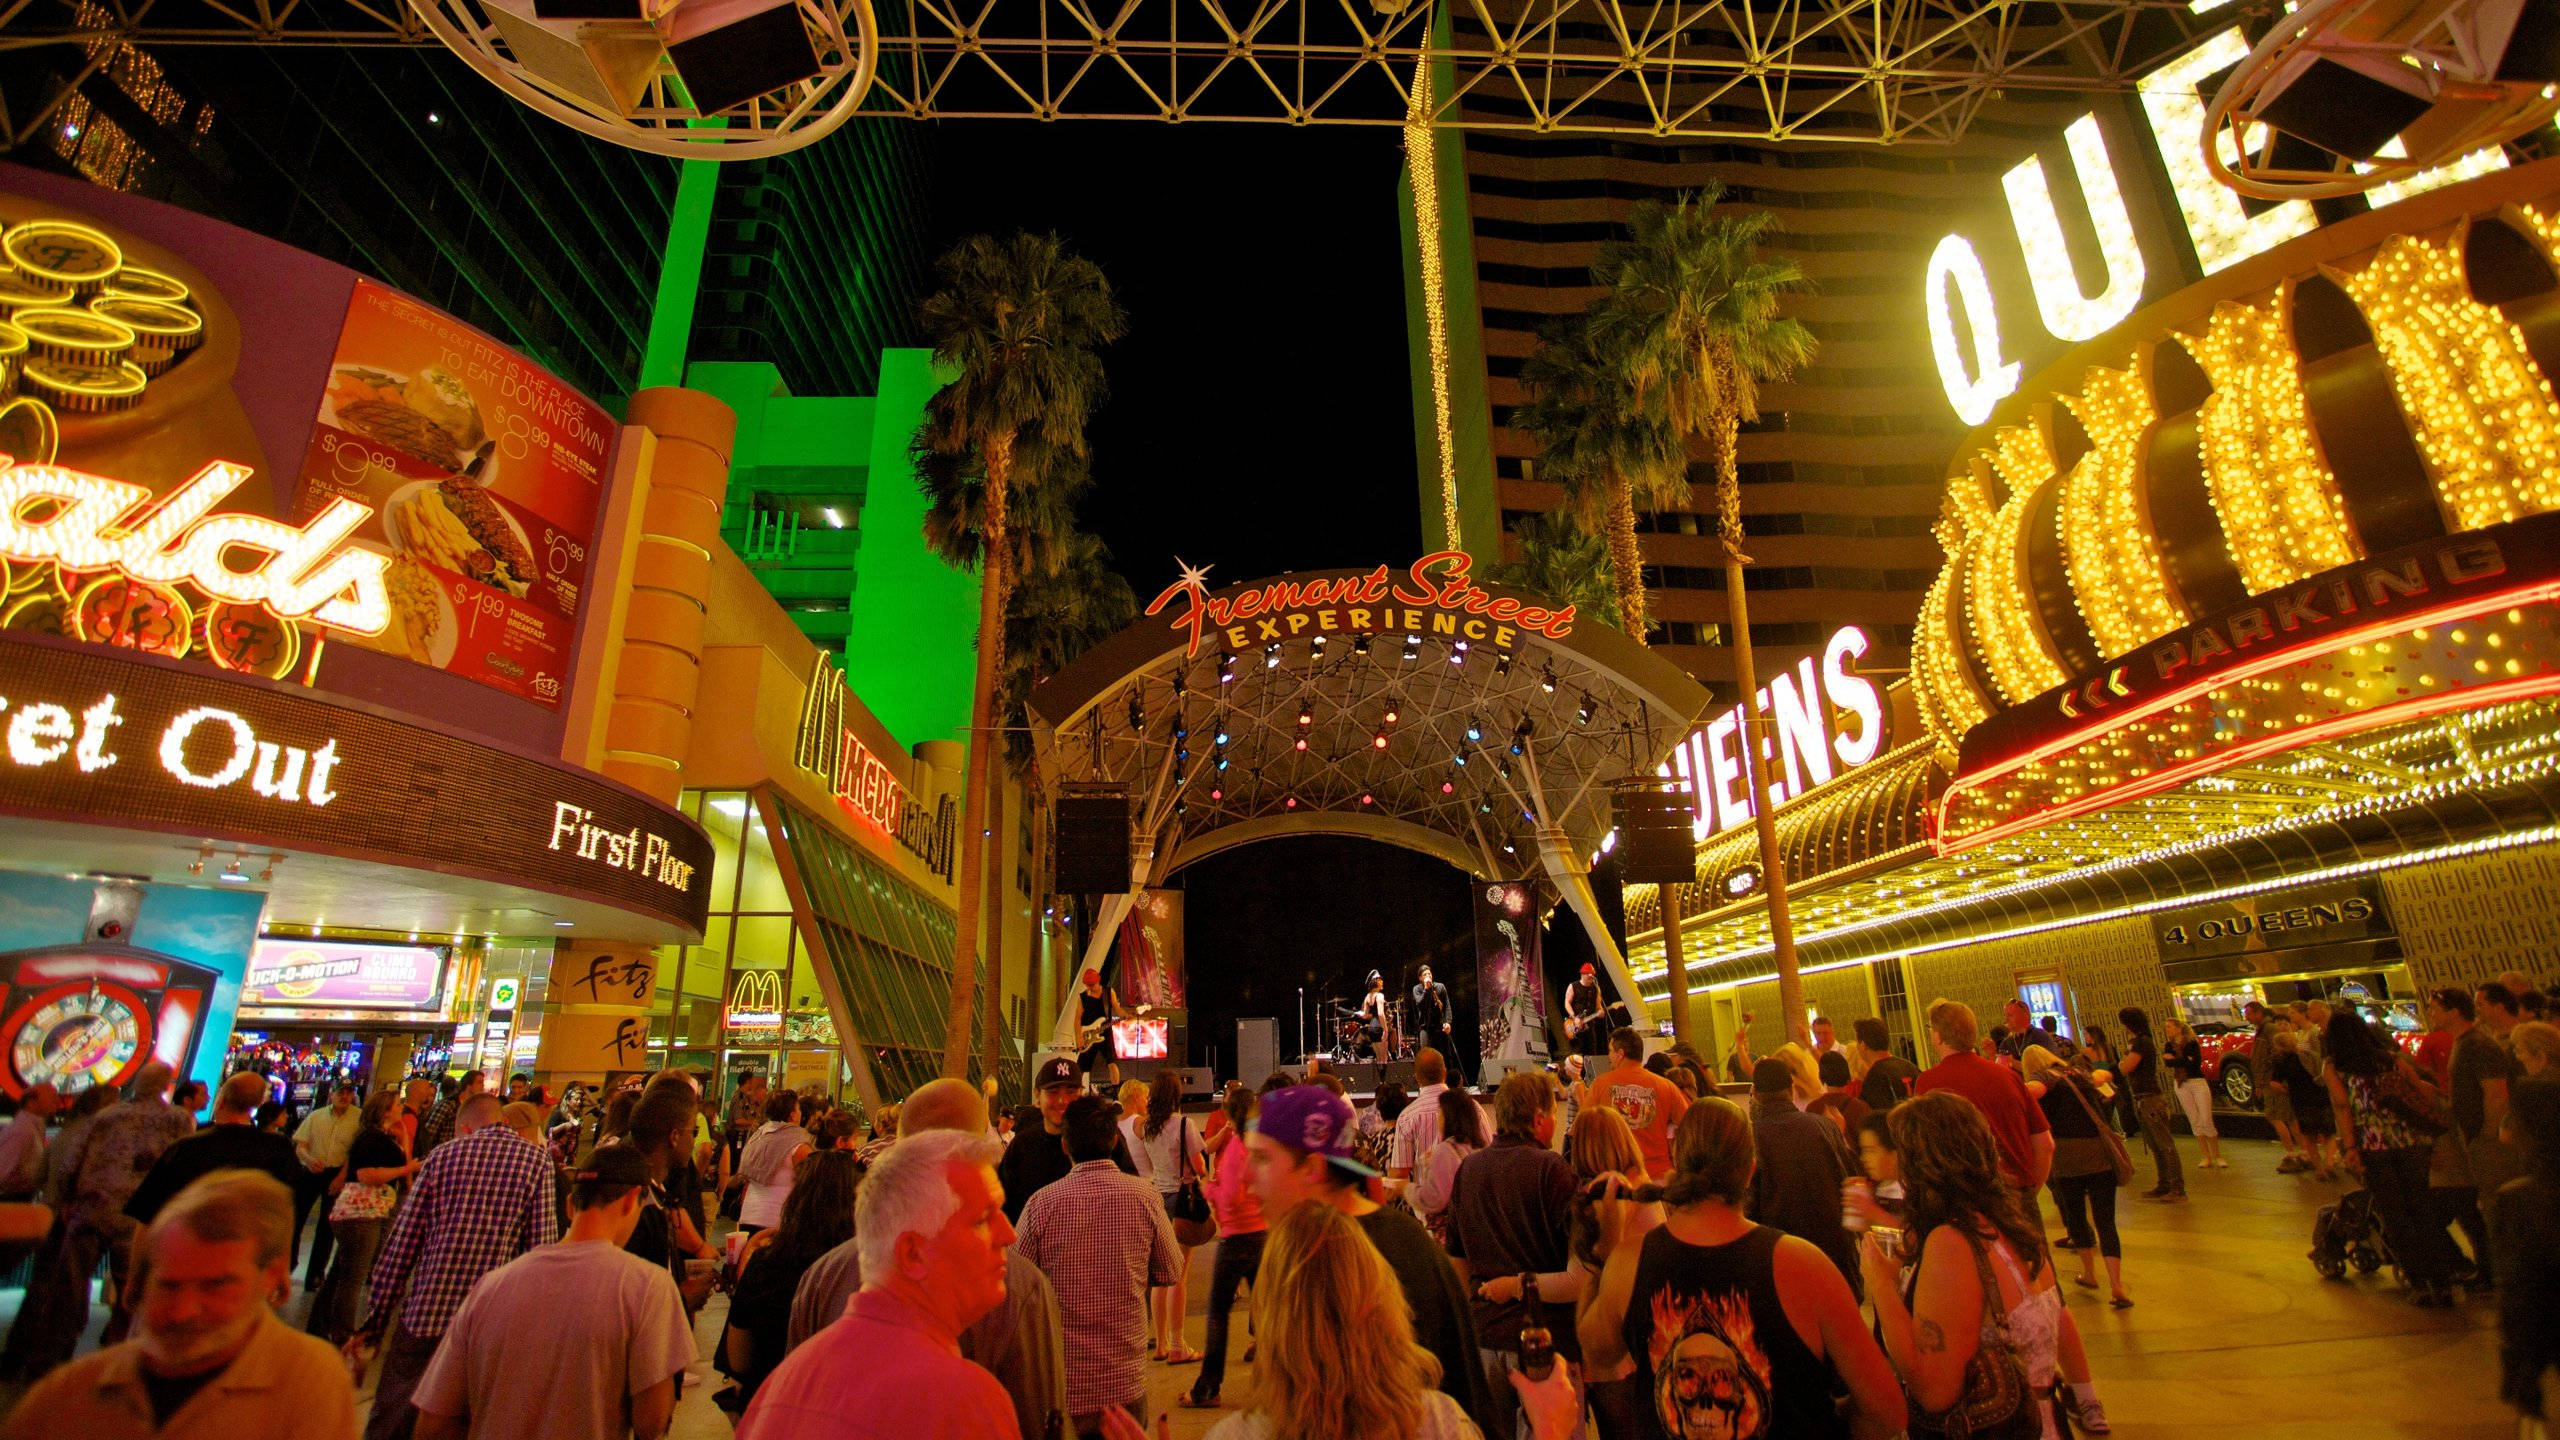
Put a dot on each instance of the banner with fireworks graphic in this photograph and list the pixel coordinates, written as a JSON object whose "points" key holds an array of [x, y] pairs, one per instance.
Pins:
{"points": [[1151, 959], [1511, 998]]}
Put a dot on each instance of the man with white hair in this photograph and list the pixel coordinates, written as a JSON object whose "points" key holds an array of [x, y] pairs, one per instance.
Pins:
{"points": [[1021, 1342], [208, 1356], [930, 1222]]}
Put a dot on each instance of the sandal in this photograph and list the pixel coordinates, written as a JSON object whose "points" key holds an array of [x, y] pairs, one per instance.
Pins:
{"points": [[1180, 1357], [2121, 1302], [1201, 1402], [2084, 1282]]}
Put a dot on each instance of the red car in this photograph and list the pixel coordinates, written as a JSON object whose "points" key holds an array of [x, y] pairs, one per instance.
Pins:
{"points": [[2226, 1060]]}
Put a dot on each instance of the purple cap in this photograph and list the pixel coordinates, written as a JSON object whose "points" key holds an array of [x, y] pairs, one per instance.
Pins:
{"points": [[1312, 1120]]}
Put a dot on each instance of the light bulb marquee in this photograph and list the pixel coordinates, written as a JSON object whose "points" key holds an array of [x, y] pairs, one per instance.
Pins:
{"points": [[2335, 635]]}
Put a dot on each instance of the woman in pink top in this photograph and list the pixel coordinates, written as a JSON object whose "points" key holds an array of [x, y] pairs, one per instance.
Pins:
{"points": [[1240, 1230]]}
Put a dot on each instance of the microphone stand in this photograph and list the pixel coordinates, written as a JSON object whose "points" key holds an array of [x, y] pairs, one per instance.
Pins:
{"points": [[1302, 1024]]}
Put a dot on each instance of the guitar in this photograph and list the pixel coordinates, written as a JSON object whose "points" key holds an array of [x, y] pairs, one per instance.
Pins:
{"points": [[1095, 1033]]}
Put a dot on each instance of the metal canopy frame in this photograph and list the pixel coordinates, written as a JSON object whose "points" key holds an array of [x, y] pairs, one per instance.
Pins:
{"points": [[1823, 71], [1555, 723]]}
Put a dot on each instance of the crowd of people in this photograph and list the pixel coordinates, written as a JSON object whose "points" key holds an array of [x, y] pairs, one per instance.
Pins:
{"points": [[1612, 1248]]}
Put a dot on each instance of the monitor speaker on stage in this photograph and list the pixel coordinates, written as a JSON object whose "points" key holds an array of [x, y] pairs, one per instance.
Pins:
{"points": [[1257, 1049], [1654, 843], [1397, 1072], [1093, 844], [1360, 1077], [1198, 1081]]}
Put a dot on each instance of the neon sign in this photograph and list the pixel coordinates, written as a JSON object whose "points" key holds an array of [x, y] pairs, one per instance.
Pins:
{"points": [[205, 747], [80, 521], [1435, 596], [2222, 231], [1811, 735], [755, 1001], [863, 784]]}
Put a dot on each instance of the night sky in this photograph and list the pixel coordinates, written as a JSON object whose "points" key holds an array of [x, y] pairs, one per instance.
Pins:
{"points": [[1260, 420]]}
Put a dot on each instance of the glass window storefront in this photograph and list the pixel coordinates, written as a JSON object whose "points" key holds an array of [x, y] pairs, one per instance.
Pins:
{"points": [[748, 997]]}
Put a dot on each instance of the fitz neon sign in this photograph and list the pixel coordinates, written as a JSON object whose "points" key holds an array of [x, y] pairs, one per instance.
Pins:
{"points": [[81, 521], [1826, 725]]}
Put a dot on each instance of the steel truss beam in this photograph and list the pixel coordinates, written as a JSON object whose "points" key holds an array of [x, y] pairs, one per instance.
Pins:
{"points": [[1844, 72]]}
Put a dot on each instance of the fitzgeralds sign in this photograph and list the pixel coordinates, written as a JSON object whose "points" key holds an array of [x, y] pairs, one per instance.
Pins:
{"points": [[101, 560], [1434, 596]]}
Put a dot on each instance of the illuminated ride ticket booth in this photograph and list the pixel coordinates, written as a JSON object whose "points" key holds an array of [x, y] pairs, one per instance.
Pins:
{"points": [[298, 694]]}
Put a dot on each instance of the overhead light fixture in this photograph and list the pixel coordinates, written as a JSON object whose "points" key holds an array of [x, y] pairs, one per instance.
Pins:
{"points": [[1271, 656], [1215, 793], [564, 924], [1289, 804], [1222, 735], [1502, 664], [1316, 645], [1547, 678], [1137, 714], [1364, 797], [1447, 786], [1392, 716], [268, 875], [1222, 762], [834, 516], [1583, 716], [1302, 742], [1306, 715], [1475, 728], [1412, 646], [231, 873], [1360, 645], [1460, 757], [1226, 667], [196, 867], [1379, 740], [1179, 683]]}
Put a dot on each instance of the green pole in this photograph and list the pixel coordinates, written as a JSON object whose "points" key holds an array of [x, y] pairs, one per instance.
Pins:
{"points": [[680, 276]]}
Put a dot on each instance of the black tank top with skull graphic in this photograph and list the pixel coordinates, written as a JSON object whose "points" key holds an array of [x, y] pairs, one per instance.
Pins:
{"points": [[1713, 1349]]}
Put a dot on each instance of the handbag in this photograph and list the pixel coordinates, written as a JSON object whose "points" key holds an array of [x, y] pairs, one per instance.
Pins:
{"points": [[2400, 1091], [1997, 1402], [1193, 1223], [2107, 1133], [359, 1201]]}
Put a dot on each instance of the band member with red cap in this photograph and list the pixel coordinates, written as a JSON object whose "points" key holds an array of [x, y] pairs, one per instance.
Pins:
{"points": [[1584, 1011], [1096, 1008]]}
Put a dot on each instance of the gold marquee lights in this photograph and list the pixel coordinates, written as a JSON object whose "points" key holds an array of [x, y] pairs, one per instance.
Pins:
{"points": [[2481, 409], [2118, 576], [1999, 601], [2484, 415], [2281, 512]]}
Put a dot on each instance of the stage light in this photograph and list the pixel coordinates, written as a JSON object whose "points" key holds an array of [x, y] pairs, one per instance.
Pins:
{"points": [[1216, 793], [1289, 804], [1360, 645], [1391, 716], [1222, 734], [1137, 714], [1475, 728], [1226, 668], [1365, 797], [1222, 762], [1379, 740], [1412, 646], [1316, 645], [1181, 754], [1502, 665], [1448, 786], [1178, 682], [1547, 678], [1460, 757], [1181, 731], [1302, 742], [1271, 656], [1583, 716], [1306, 715]]}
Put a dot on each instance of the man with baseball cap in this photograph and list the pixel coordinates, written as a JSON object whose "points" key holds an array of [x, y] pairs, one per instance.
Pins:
{"points": [[581, 1340], [1304, 1151], [1038, 1156], [1585, 1028]]}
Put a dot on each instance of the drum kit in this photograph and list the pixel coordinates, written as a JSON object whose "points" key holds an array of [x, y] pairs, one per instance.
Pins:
{"points": [[1354, 1038]]}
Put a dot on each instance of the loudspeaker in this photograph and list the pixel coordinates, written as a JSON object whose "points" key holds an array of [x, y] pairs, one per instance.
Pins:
{"points": [[1360, 1077], [1257, 1049], [1654, 844], [1397, 1072], [1093, 845], [1198, 1080], [728, 52]]}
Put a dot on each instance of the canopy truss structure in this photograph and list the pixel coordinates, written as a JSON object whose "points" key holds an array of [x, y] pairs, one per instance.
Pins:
{"points": [[1497, 753], [1829, 71]]}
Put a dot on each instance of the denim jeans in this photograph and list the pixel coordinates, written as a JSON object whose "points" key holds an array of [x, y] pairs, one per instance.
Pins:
{"points": [[338, 1307], [1238, 1257]]}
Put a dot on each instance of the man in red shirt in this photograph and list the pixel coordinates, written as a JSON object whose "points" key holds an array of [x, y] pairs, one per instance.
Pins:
{"points": [[1651, 1105]]}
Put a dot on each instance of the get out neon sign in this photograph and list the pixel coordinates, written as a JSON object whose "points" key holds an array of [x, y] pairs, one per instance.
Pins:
{"points": [[81, 521], [1826, 724], [1971, 366]]}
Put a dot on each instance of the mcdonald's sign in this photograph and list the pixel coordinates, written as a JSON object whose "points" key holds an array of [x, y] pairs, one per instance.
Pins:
{"points": [[755, 1002]]}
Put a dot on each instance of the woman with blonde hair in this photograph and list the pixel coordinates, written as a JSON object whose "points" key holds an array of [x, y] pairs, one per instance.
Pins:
{"points": [[1805, 1082], [1604, 1150], [1337, 1359], [2183, 1053], [2536, 1044]]}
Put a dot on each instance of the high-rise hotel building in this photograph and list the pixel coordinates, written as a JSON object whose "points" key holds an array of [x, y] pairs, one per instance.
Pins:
{"points": [[1843, 473]]}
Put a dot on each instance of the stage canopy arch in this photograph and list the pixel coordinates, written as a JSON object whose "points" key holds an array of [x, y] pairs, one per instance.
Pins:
{"points": [[1420, 707]]}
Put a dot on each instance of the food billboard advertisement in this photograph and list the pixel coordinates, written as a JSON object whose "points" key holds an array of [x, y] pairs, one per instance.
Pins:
{"points": [[230, 452], [326, 975]]}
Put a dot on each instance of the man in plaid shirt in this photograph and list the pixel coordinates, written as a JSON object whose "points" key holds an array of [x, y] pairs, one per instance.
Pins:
{"points": [[1103, 1239], [484, 1198]]}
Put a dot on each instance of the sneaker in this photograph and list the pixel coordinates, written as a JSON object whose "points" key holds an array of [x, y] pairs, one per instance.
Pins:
{"points": [[2090, 1414]]}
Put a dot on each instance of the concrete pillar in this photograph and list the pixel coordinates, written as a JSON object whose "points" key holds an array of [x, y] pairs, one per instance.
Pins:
{"points": [[658, 673]]}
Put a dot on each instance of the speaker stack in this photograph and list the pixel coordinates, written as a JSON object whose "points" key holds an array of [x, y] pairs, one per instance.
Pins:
{"points": [[1092, 853], [1654, 843]]}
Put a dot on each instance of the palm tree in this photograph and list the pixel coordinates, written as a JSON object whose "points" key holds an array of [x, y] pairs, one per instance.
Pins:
{"points": [[1018, 320], [1694, 304], [1600, 438], [1562, 561]]}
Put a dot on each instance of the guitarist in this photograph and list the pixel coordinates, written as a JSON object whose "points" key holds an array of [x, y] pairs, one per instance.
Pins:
{"points": [[1096, 1008], [1584, 1026]]}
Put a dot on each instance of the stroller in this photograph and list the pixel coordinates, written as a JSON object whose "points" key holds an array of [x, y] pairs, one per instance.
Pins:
{"points": [[2346, 1233]]}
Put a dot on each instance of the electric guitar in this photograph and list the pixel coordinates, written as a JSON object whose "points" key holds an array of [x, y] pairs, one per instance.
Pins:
{"points": [[1095, 1033]]}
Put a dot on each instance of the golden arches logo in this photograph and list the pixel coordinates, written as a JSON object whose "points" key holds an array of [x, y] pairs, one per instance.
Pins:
{"points": [[755, 998]]}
